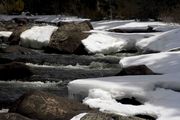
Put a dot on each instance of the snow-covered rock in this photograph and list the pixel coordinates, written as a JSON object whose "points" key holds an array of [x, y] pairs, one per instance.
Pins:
{"points": [[37, 37], [5, 34], [156, 92], [165, 62], [163, 42], [102, 43]]}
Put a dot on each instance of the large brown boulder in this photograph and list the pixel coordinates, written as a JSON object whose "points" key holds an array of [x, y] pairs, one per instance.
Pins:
{"points": [[42, 106], [137, 70], [12, 116], [14, 70], [103, 116], [67, 39]]}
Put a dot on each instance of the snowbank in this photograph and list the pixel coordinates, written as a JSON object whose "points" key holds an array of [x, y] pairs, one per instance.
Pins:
{"points": [[165, 62], [156, 93], [163, 42], [37, 37], [5, 34]]}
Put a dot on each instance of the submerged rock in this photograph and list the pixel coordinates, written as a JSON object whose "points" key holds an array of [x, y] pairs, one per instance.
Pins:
{"points": [[40, 105]]}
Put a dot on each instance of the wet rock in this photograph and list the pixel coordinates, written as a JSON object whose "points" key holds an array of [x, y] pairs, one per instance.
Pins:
{"points": [[67, 39], [103, 116], [12, 116], [137, 70], [41, 105], [14, 70]]}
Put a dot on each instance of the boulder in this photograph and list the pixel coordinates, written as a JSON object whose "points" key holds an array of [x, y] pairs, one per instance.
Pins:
{"points": [[103, 116], [12, 116], [137, 70], [42, 106], [14, 70], [67, 39]]}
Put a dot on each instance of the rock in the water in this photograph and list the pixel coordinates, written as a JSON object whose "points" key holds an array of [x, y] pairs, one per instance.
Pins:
{"points": [[14, 70], [67, 39], [137, 70], [103, 116], [43, 106], [12, 116]]}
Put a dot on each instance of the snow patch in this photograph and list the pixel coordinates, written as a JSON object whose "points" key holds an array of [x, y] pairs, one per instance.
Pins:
{"points": [[37, 37]]}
